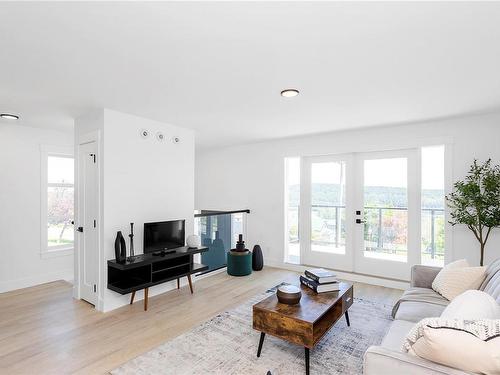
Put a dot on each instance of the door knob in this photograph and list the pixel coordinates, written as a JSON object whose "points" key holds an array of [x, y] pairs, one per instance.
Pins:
{"points": [[359, 221], [79, 229]]}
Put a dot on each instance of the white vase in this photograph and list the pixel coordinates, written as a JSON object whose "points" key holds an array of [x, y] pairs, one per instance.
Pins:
{"points": [[193, 241]]}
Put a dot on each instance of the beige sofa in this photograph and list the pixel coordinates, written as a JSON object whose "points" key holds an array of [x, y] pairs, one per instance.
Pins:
{"points": [[418, 302]]}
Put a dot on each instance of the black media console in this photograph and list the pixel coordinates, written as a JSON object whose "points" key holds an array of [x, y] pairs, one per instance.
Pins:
{"points": [[146, 270]]}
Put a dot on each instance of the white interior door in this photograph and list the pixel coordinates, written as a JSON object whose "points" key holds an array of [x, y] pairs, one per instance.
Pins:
{"points": [[327, 211], [87, 221], [387, 196]]}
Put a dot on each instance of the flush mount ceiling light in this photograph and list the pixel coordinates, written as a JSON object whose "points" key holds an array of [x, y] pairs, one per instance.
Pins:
{"points": [[289, 93], [9, 116]]}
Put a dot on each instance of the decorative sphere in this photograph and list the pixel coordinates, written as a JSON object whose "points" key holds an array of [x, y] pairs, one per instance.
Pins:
{"points": [[193, 241]]}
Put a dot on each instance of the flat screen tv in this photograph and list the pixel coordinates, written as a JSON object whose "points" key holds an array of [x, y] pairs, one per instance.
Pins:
{"points": [[164, 235]]}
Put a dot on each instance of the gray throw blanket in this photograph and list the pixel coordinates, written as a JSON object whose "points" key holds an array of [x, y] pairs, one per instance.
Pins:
{"points": [[420, 295]]}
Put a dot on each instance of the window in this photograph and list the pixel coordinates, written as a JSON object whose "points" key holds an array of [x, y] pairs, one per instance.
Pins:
{"points": [[385, 195], [57, 200], [292, 205], [328, 213], [432, 215]]}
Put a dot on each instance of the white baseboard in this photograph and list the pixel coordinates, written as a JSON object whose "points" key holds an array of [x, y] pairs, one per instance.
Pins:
{"points": [[350, 276], [6, 286]]}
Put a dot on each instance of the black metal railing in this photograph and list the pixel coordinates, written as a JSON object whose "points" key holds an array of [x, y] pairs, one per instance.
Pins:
{"points": [[432, 248]]}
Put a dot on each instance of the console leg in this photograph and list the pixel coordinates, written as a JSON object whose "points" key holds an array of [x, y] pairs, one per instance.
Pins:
{"points": [[178, 284], [190, 283], [307, 360], [132, 297], [261, 342], [347, 318], [146, 290]]}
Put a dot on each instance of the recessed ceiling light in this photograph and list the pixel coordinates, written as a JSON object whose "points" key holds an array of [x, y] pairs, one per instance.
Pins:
{"points": [[289, 93], [9, 116]]}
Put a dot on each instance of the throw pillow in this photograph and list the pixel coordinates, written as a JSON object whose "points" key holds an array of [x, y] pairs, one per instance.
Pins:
{"points": [[472, 304], [439, 279], [455, 278], [472, 346]]}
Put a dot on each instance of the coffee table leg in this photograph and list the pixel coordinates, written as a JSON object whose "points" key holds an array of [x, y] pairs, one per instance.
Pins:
{"points": [[347, 318], [261, 342], [307, 360]]}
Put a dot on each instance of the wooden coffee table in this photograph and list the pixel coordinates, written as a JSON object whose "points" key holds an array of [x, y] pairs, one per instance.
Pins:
{"points": [[305, 323]]}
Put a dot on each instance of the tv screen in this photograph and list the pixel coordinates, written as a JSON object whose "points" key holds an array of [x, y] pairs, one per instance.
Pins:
{"points": [[163, 235]]}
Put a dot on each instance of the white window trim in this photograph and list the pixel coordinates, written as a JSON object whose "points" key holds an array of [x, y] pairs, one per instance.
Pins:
{"points": [[45, 152]]}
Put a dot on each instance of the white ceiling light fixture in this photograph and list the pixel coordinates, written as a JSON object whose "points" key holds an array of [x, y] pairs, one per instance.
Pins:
{"points": [[9, 116], [289, 93]]}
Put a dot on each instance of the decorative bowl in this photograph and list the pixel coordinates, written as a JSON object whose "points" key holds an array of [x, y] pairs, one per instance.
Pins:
{"points": [[289, 294]]}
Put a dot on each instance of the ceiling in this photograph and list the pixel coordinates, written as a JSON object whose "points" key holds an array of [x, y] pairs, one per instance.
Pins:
{"points": [[218, 68]]}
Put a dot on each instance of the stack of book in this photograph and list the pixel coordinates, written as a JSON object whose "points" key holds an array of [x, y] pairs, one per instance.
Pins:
{"points": [[320, 280]]}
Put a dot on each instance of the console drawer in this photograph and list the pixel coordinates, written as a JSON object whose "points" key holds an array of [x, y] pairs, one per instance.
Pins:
{"points": [[347, 300]]}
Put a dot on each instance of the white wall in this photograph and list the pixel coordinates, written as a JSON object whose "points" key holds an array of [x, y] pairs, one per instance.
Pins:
{"points": [[252, 176], [143, 180], [20, 229]]}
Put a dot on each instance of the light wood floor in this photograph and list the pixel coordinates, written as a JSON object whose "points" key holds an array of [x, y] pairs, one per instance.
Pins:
{"points": [[44, 331]]}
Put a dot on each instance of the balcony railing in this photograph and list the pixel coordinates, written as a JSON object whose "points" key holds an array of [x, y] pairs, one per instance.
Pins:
{"points": [[378, 237]]}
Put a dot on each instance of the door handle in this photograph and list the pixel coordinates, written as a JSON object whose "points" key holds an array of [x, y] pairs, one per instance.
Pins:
{"points": [[359, 221], [79, 229]]}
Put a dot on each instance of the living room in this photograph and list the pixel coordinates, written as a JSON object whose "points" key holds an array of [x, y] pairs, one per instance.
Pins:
{"points": [[250, 188]]}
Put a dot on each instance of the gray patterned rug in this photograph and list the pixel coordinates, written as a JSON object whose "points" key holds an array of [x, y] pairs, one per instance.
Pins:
{"points": [[227, 345]]}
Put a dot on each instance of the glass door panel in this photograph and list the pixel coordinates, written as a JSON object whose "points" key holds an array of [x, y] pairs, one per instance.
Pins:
{"points": [[327, 224], [328, 207], [387, 208]]}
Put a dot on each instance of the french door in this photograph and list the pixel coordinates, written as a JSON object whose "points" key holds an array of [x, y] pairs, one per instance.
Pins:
{"points": [[327, 211], [387, 230], [360, 212]]}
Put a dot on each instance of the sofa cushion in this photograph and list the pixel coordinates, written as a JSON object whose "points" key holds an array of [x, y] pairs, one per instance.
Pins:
{"points": [[491, 271], [416, 311], [491, 284], [396, 335], [418, 303]]}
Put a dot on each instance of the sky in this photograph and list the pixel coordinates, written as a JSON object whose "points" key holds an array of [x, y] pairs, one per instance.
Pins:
{"points": [[60, 169]]}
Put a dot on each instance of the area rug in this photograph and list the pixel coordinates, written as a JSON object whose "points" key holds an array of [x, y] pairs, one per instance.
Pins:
{"points": [[227, 345]]}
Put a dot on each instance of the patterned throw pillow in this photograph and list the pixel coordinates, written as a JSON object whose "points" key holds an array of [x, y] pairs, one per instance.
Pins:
{"points": [[457, 277], [468, 345]]}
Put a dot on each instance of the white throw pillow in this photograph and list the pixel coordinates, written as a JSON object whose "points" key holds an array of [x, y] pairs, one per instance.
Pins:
{"points": [[472, 346], [455, 278], [472, 304], [460, 350], [439, 279]]}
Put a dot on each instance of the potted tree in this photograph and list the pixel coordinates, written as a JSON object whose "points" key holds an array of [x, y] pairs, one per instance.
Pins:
{"points": [[475, 201]]}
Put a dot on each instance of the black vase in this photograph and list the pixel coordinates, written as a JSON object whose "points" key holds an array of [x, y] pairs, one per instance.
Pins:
{"points": [[257, 258], [120, 248]]}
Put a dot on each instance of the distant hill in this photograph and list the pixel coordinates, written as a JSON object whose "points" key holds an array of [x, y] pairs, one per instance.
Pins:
{"points": [[328, 194]]}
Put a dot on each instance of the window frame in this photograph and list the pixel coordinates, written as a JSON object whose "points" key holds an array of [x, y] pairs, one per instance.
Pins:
{"points": [[45, 152], [392, 145]]}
